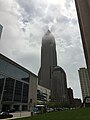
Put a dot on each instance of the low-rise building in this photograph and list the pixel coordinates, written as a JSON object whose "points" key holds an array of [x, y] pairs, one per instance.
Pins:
{"points": [[16, 86], [43, 94]]}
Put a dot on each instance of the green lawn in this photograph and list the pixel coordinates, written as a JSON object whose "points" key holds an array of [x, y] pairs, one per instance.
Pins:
{"points": [[78, 114]]}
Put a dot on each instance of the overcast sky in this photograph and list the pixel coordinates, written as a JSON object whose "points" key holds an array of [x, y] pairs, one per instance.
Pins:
{"points": [[26, 21]]}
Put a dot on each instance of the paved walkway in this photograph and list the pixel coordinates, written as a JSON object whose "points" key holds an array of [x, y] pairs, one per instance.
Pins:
{"points": [[18, 115]]}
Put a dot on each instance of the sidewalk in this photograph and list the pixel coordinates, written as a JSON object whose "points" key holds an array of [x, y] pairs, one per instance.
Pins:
{"points": [[19, 115]]}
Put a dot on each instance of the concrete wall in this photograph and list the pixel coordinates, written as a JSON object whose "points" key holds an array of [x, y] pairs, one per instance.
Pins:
{"points": [[32, 98]]}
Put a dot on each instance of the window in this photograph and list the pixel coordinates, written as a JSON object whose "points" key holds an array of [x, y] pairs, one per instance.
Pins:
{"points": [[25, 93], [2, 78], [18, 91], [8, 90], [14, 71]]}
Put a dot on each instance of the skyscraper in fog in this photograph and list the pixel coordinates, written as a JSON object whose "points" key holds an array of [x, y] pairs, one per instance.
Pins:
{"points": [[50, 75], [48, 60], [83, 11]]}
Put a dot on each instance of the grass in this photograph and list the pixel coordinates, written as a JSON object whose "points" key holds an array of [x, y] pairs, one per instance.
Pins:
{"points": [[78, 114]]}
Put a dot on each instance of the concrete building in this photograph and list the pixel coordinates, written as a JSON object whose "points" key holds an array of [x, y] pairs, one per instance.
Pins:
{"points": [[1, 27], [59, 86], [85, 82], [16, 86], [48, 60], [83, 11], [43, 94], [70, 97]]}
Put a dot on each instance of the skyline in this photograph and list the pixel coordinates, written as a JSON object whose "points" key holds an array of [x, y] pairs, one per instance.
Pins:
{"points": [[24, 24]]}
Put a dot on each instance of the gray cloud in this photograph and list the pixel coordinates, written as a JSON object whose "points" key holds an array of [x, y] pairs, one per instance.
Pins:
{"points": [[68, 4], [30, 60]]}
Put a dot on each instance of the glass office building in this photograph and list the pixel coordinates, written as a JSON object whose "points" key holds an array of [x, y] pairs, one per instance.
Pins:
{"points": [[14, 85], [1, 27]]}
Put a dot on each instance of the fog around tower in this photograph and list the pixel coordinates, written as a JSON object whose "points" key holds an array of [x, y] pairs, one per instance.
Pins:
{"points": [[24, 24], [48, 37]]}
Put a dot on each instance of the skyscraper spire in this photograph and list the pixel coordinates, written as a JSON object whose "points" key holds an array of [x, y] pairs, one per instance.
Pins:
{"points": [[48, 38]]}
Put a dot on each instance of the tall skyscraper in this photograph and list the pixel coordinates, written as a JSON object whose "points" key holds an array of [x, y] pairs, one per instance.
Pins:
{"points": [[84, 81], [1, 27], [83, 11], [50, 75], [48, 60]]}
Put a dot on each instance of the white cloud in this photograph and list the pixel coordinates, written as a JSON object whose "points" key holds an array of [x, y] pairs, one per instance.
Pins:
{"points": [[25, 22]]}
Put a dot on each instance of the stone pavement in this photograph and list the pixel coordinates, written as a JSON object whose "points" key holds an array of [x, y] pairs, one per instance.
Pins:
{"points": [[18, 115]]}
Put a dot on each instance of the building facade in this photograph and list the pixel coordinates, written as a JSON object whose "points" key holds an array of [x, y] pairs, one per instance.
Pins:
{"points": [[83, 12], [48, 60], [43, 94], [15, 83], [59, 86], [85, 82]]}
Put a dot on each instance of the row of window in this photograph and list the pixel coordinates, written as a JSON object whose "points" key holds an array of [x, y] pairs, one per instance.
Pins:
{"points": [[13, 90], [41, 96]]}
